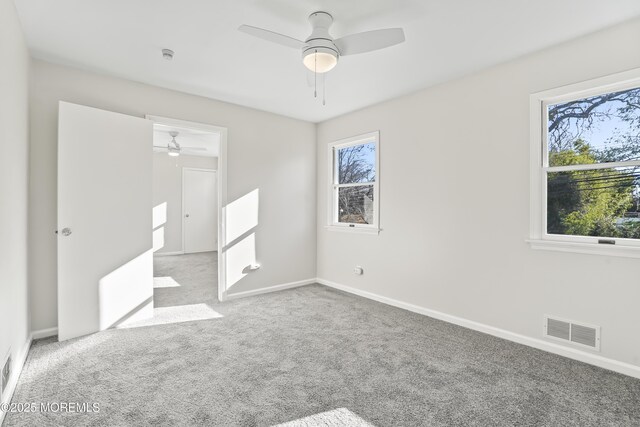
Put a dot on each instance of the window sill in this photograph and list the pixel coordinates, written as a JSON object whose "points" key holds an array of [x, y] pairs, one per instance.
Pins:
{"points": [[355, 230], [585, 248]]}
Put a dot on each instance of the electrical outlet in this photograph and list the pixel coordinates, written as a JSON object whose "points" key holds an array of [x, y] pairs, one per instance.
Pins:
{"points": [[6, 373]]}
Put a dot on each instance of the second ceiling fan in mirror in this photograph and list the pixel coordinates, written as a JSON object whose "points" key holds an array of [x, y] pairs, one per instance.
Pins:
{"points": [[174, 149]]}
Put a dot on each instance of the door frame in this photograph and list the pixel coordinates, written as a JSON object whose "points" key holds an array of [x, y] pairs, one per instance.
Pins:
{"points": [[222, 190], [215, 172]]}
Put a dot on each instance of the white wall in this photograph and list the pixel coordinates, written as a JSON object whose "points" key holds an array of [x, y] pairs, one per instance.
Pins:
{"points": [[14, 149], [265, 151], [455, 203], [167, 188]]}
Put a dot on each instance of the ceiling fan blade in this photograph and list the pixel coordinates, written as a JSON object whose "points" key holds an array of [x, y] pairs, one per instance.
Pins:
{"points": [[163, 147], [272, 37], [193, 148], [369, 40]]}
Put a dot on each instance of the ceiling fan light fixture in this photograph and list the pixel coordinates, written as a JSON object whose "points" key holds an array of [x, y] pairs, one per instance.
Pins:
{"points": [[173, 151], [320, 60]]}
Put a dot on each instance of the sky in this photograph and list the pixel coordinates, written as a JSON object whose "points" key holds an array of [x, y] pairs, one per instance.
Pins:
{"points": [[604, 129], [368, 155]]}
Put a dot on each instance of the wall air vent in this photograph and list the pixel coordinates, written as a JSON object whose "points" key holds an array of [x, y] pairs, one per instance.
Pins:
{"points": [[572, 332], [5, 375], [559, 329]]}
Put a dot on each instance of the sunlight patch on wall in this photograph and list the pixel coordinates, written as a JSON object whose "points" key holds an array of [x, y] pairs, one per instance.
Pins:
{"points": [[241, 215], [159, 218], [239, 256], [159, 215], [158, 239]]}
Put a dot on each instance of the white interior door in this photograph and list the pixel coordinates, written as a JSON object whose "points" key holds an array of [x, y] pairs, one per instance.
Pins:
{"points": [[105, 261], [199, 210]]}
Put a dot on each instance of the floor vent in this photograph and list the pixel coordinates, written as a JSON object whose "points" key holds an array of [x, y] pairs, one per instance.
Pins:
{"points": [[572, 332], [5, 375]]}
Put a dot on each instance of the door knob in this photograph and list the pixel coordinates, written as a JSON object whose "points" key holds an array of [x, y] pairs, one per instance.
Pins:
{"points": [[187, 215], [66, 231]]}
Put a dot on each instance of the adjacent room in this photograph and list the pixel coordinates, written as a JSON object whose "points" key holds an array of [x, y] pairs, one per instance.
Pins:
{"points": [[185, 223], [320, 213]]}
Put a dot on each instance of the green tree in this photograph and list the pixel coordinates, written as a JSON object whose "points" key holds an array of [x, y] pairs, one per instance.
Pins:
{"points": [[590, 202]]}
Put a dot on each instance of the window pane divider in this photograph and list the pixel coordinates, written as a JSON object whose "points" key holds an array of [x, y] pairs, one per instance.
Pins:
{"points": [[592, 166], [354, 184]]}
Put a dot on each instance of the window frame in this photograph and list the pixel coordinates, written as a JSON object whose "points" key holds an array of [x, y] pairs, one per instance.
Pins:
{"points": [[539, 168], [333, 186]]}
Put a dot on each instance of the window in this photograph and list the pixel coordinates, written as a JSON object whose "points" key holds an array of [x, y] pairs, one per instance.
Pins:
{"points": [[586, 177], [354, 175]]}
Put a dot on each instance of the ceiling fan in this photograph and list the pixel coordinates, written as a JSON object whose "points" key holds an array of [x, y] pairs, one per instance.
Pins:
{"points": [[320, 51], [174, 149]]}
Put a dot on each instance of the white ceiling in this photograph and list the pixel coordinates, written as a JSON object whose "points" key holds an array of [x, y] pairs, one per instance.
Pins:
{"points": [[187, 138], [445, 40]]}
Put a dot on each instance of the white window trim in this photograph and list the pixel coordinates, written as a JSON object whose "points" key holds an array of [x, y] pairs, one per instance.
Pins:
{"points": [[332, 224], [538, 153]]}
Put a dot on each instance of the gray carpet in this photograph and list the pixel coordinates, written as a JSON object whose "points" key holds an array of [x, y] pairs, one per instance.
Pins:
{"points": [[311, 356], [197, 275], [190, 297]]}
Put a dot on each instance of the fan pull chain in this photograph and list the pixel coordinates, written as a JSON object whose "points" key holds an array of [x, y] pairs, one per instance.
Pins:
{"points": [[315, 74]]}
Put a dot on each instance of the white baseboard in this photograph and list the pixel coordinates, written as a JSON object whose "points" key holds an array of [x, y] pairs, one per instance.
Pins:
{"points": [[571, 353], [17, 370], [44, 333], [168, 253], [229, 296]]}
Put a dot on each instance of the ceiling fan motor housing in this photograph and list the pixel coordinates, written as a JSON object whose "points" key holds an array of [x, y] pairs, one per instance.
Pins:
{"points": [[321, 54]]}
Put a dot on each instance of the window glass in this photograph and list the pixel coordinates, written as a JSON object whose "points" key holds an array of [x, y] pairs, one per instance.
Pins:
{"points": [[598, 202], [598, 129], [355, 204], [356, 163], [354, 198], [585, 195]]}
